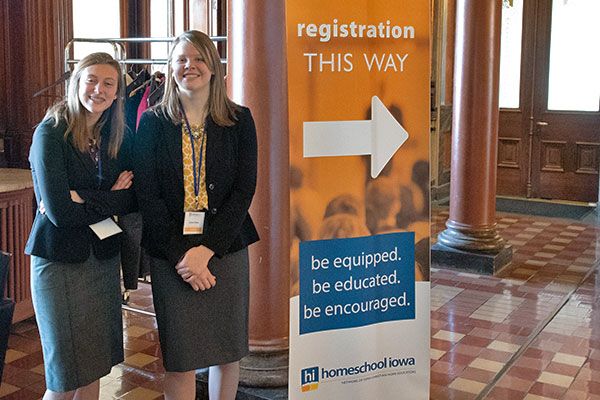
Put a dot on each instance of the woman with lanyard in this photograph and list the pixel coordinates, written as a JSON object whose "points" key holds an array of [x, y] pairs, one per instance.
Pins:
{"points": [[76, 162], [195, 168]]}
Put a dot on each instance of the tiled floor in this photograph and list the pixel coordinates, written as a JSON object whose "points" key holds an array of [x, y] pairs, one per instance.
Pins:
{"points": [[533, 333], [139, 377]]}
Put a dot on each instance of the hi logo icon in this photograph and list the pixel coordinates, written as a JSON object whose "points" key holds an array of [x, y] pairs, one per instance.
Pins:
{"points": [[310, 379]]}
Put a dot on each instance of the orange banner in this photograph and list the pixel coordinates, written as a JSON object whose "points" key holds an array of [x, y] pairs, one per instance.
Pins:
{"points": [[359, 108], [340, 54]]}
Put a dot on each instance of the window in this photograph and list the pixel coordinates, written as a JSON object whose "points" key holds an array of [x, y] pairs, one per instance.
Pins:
{"points": [[574, 82], [510, 53], [159, 28], [92, 19]]}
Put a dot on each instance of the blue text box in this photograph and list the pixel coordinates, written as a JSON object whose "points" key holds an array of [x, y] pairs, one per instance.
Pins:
{"points": [[353, 282]]}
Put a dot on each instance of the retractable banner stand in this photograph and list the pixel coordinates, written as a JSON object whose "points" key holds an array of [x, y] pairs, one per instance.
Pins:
{"points": [[359, 107]]}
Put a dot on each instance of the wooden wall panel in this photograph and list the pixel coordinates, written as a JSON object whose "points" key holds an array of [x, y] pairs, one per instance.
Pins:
{"points": [[126, 8], [442, 72], [186, 15], [3, 82], [49, 29], [588, 158], [33, 37], [509, 150], [222, 26], [14, 101], [450, 43], [445, 150], [199, 14], [135, 22], [3, 61], [200, 18], [553, 155]]}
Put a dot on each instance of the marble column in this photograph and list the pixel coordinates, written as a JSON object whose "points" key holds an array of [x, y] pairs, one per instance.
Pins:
{"points": [[257, 78], [471, 240]]}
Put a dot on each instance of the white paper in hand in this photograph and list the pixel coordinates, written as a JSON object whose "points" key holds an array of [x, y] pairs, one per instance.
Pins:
{"points": [[106, 228]]}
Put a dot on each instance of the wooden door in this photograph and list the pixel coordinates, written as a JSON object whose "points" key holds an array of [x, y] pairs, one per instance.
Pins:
{"points": [[549, 133]]}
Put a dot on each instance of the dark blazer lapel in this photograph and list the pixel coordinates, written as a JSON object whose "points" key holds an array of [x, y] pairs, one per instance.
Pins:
{"points": [[214, 142], [104, 156], [85, 158], [173, 142]]}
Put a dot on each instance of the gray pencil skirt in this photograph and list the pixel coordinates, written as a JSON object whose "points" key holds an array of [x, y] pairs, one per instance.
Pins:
{"points": [[78, 312], [204, 328]]}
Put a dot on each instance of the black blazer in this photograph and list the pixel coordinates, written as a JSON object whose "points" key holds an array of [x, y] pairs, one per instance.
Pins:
{"points": [[231, 157], [63, 234]]}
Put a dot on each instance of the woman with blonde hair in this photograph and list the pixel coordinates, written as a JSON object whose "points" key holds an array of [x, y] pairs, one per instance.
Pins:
{"points": [[76, 165], [195, 167]]}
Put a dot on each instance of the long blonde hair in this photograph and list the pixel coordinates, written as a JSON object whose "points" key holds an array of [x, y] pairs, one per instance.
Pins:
{"points": [[220, 107], [72, 111]]}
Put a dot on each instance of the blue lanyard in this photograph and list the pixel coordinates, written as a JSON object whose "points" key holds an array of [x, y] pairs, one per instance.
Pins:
{"points": [[196, 170]]}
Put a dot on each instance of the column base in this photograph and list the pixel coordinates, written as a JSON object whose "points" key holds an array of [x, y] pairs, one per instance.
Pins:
{"points": [[263, 376], [481, 262], [265, 369], [243, 393]]}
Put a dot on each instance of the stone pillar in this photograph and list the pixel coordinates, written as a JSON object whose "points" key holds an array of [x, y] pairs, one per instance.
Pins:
{"points": [[471, 240], [257, 78]]}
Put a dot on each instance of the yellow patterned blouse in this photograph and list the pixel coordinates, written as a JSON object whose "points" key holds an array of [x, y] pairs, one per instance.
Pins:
{"points": [[191, 202]]}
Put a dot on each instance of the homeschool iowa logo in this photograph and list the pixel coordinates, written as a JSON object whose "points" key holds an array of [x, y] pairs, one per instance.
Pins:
{"points": [[310, 379]]}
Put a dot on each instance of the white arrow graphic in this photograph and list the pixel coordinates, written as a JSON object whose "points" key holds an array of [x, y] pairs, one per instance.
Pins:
{"points": [[381, 137]]}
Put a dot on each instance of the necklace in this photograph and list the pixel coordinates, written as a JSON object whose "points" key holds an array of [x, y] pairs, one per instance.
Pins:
{"points": [[197, 133], [94, 150]]}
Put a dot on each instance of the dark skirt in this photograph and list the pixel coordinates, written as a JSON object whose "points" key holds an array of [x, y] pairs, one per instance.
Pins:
{"points": [[204, 328], [78, 312]]}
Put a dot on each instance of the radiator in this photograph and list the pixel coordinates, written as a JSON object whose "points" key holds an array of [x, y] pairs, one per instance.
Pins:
{"points": [[16, 219]]}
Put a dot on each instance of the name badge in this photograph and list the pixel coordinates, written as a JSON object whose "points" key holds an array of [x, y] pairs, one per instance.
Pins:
{"points": [[193, 224], [106, 228]]}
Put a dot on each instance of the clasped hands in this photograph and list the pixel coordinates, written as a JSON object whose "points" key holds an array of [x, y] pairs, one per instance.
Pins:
{"points": [[193, 268]]}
